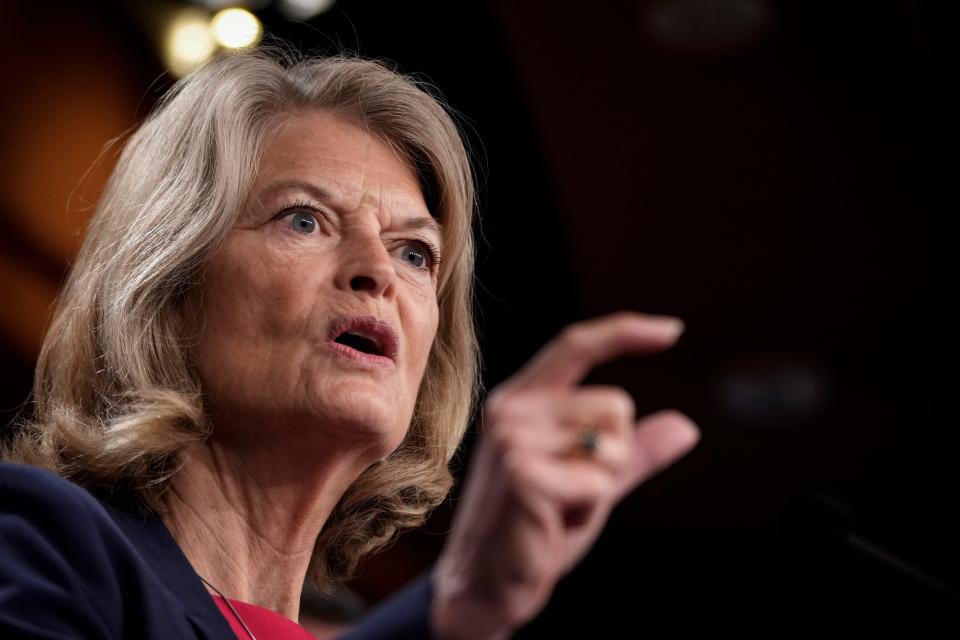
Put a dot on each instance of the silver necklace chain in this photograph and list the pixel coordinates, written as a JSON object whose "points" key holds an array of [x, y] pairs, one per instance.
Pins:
{"points": [[232, 608]]}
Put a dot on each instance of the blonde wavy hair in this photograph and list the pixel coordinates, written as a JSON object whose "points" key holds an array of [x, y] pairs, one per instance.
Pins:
{"points": [[115, 398]]}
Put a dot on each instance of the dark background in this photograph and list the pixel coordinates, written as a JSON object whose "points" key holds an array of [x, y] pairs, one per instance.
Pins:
{"points": [[770, 171]]}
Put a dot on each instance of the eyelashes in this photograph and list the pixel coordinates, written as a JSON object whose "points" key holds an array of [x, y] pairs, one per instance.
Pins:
{"points": [[296, 205], [428, 248], [431, 250]]}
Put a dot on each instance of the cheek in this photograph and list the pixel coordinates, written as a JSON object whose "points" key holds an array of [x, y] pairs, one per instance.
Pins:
{"points": [[427, 331], [248, 306]]}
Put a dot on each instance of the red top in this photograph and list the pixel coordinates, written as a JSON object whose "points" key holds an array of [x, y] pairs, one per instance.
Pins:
{"points": [[265, 624]]}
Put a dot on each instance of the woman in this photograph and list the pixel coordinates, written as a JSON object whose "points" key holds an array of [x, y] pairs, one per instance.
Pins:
{"points": [[263, 362]]}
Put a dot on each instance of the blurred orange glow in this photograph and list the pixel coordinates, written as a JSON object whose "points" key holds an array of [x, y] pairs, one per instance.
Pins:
{"points": [[67, 99]]}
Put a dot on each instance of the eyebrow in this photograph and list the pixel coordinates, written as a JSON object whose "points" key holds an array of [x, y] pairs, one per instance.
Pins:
{"points": [[318, 192], [314, 190], [419, 222]]}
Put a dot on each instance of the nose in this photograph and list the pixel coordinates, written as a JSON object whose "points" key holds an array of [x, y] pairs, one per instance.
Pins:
{"points": [[366, 267]]}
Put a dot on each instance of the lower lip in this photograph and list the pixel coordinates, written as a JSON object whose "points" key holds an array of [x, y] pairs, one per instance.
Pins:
{"points": [[360, 357]]}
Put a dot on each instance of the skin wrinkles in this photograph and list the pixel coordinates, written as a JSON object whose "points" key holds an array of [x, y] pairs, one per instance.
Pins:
{"points": [[350, 226], [273, 198], [347, 195], [294, 421]]}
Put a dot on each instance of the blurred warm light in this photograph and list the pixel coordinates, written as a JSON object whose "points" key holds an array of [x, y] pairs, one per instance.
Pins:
{"points": [[236, 28], [188, 42], [252, 5], [221, 4], [304, 9]]}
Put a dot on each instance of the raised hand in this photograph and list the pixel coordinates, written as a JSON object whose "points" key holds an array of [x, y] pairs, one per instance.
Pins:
{"points": [[538, 494]]}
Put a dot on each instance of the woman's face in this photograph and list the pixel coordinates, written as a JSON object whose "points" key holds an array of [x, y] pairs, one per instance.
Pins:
{"points": [[321, 305]]}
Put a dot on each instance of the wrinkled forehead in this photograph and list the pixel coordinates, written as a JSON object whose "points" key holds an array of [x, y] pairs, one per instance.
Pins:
{"points": [[339, 154]]}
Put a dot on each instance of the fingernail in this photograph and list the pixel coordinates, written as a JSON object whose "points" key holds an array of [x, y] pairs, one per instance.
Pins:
{"points": [[674, 324]]}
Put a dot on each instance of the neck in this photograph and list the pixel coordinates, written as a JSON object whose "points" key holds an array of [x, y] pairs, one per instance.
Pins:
{"points": [[247, 517]]}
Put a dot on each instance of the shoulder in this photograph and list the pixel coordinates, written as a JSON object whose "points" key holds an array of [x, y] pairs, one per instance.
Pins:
{"points": [[39, 507], [61, 556], [32, 490], [72, 566]]}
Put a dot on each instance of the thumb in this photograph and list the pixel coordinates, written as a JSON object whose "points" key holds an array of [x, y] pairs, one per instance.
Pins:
{"points": [[660, 439]]}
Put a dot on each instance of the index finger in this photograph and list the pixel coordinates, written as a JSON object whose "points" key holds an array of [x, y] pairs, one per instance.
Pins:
{"points": [[566, 360]]}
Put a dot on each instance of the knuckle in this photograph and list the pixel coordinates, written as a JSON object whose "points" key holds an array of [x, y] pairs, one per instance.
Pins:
{"points": [[501, 402], [512, 404], [622, 320], [576, 336], [621, 403], [492, 405], [613, 407]]}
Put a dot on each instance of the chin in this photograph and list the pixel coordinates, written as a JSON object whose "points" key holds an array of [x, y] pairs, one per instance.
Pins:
{"points": [[366, 420]]}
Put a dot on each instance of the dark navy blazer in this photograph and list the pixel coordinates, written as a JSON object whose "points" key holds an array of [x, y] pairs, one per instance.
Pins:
{"points": [[75, 566]]}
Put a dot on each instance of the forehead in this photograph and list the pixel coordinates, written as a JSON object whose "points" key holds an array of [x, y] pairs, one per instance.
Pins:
{"points": [[340, 158]]}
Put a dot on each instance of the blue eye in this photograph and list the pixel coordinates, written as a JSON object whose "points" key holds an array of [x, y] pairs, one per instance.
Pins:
{"points": [[415, 256], [420, 255], [303, 222]]}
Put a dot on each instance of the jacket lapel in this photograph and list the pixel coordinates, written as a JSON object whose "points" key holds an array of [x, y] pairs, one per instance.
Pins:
{"points": [[178, 581]]}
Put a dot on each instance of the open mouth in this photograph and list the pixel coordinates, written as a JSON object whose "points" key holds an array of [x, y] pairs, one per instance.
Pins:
{"points": [[367, 335], [360, 343]]}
